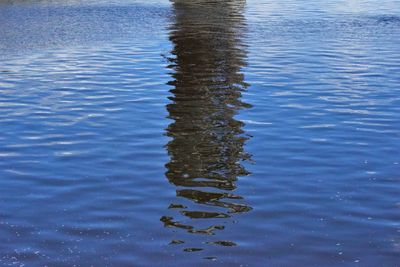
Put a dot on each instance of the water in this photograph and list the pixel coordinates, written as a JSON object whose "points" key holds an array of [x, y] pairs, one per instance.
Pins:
{"points": [[226, 133]]}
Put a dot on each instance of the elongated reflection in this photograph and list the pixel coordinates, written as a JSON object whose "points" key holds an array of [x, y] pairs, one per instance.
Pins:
{"points": [[207, 142]]}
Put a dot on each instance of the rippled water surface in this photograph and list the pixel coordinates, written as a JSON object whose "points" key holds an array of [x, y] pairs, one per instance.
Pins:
{"points": [[226, 133]]}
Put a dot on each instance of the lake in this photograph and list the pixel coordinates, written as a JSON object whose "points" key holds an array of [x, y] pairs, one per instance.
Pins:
{"points": [[203, 133]]}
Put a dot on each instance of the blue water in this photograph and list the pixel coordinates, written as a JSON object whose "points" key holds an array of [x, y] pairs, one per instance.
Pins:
{"points": [[204, 133]]}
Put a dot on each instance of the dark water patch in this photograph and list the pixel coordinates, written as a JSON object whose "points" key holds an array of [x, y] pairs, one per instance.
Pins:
{"points": [[223, 243], [177, 206], [204, 214], [388, 19], [192, 249], [176, 242], [207, 231], [207, 142]]}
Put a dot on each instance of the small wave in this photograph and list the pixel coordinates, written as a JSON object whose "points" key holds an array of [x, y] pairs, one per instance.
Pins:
{"points": [[388, 19]]}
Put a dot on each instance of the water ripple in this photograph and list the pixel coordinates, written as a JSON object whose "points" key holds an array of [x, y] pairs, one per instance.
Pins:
{"points": [[199, 132]]}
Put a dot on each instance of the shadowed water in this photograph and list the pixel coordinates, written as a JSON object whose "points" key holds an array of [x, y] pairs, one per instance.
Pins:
{"points": [[207, 145], [227, 133]]}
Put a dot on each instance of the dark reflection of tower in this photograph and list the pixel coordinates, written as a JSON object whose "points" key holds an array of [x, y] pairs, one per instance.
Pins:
{"points": [[207, 145]]}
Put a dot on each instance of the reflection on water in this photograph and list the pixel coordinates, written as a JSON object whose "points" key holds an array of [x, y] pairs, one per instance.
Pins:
{"points": [[207, 145]]}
